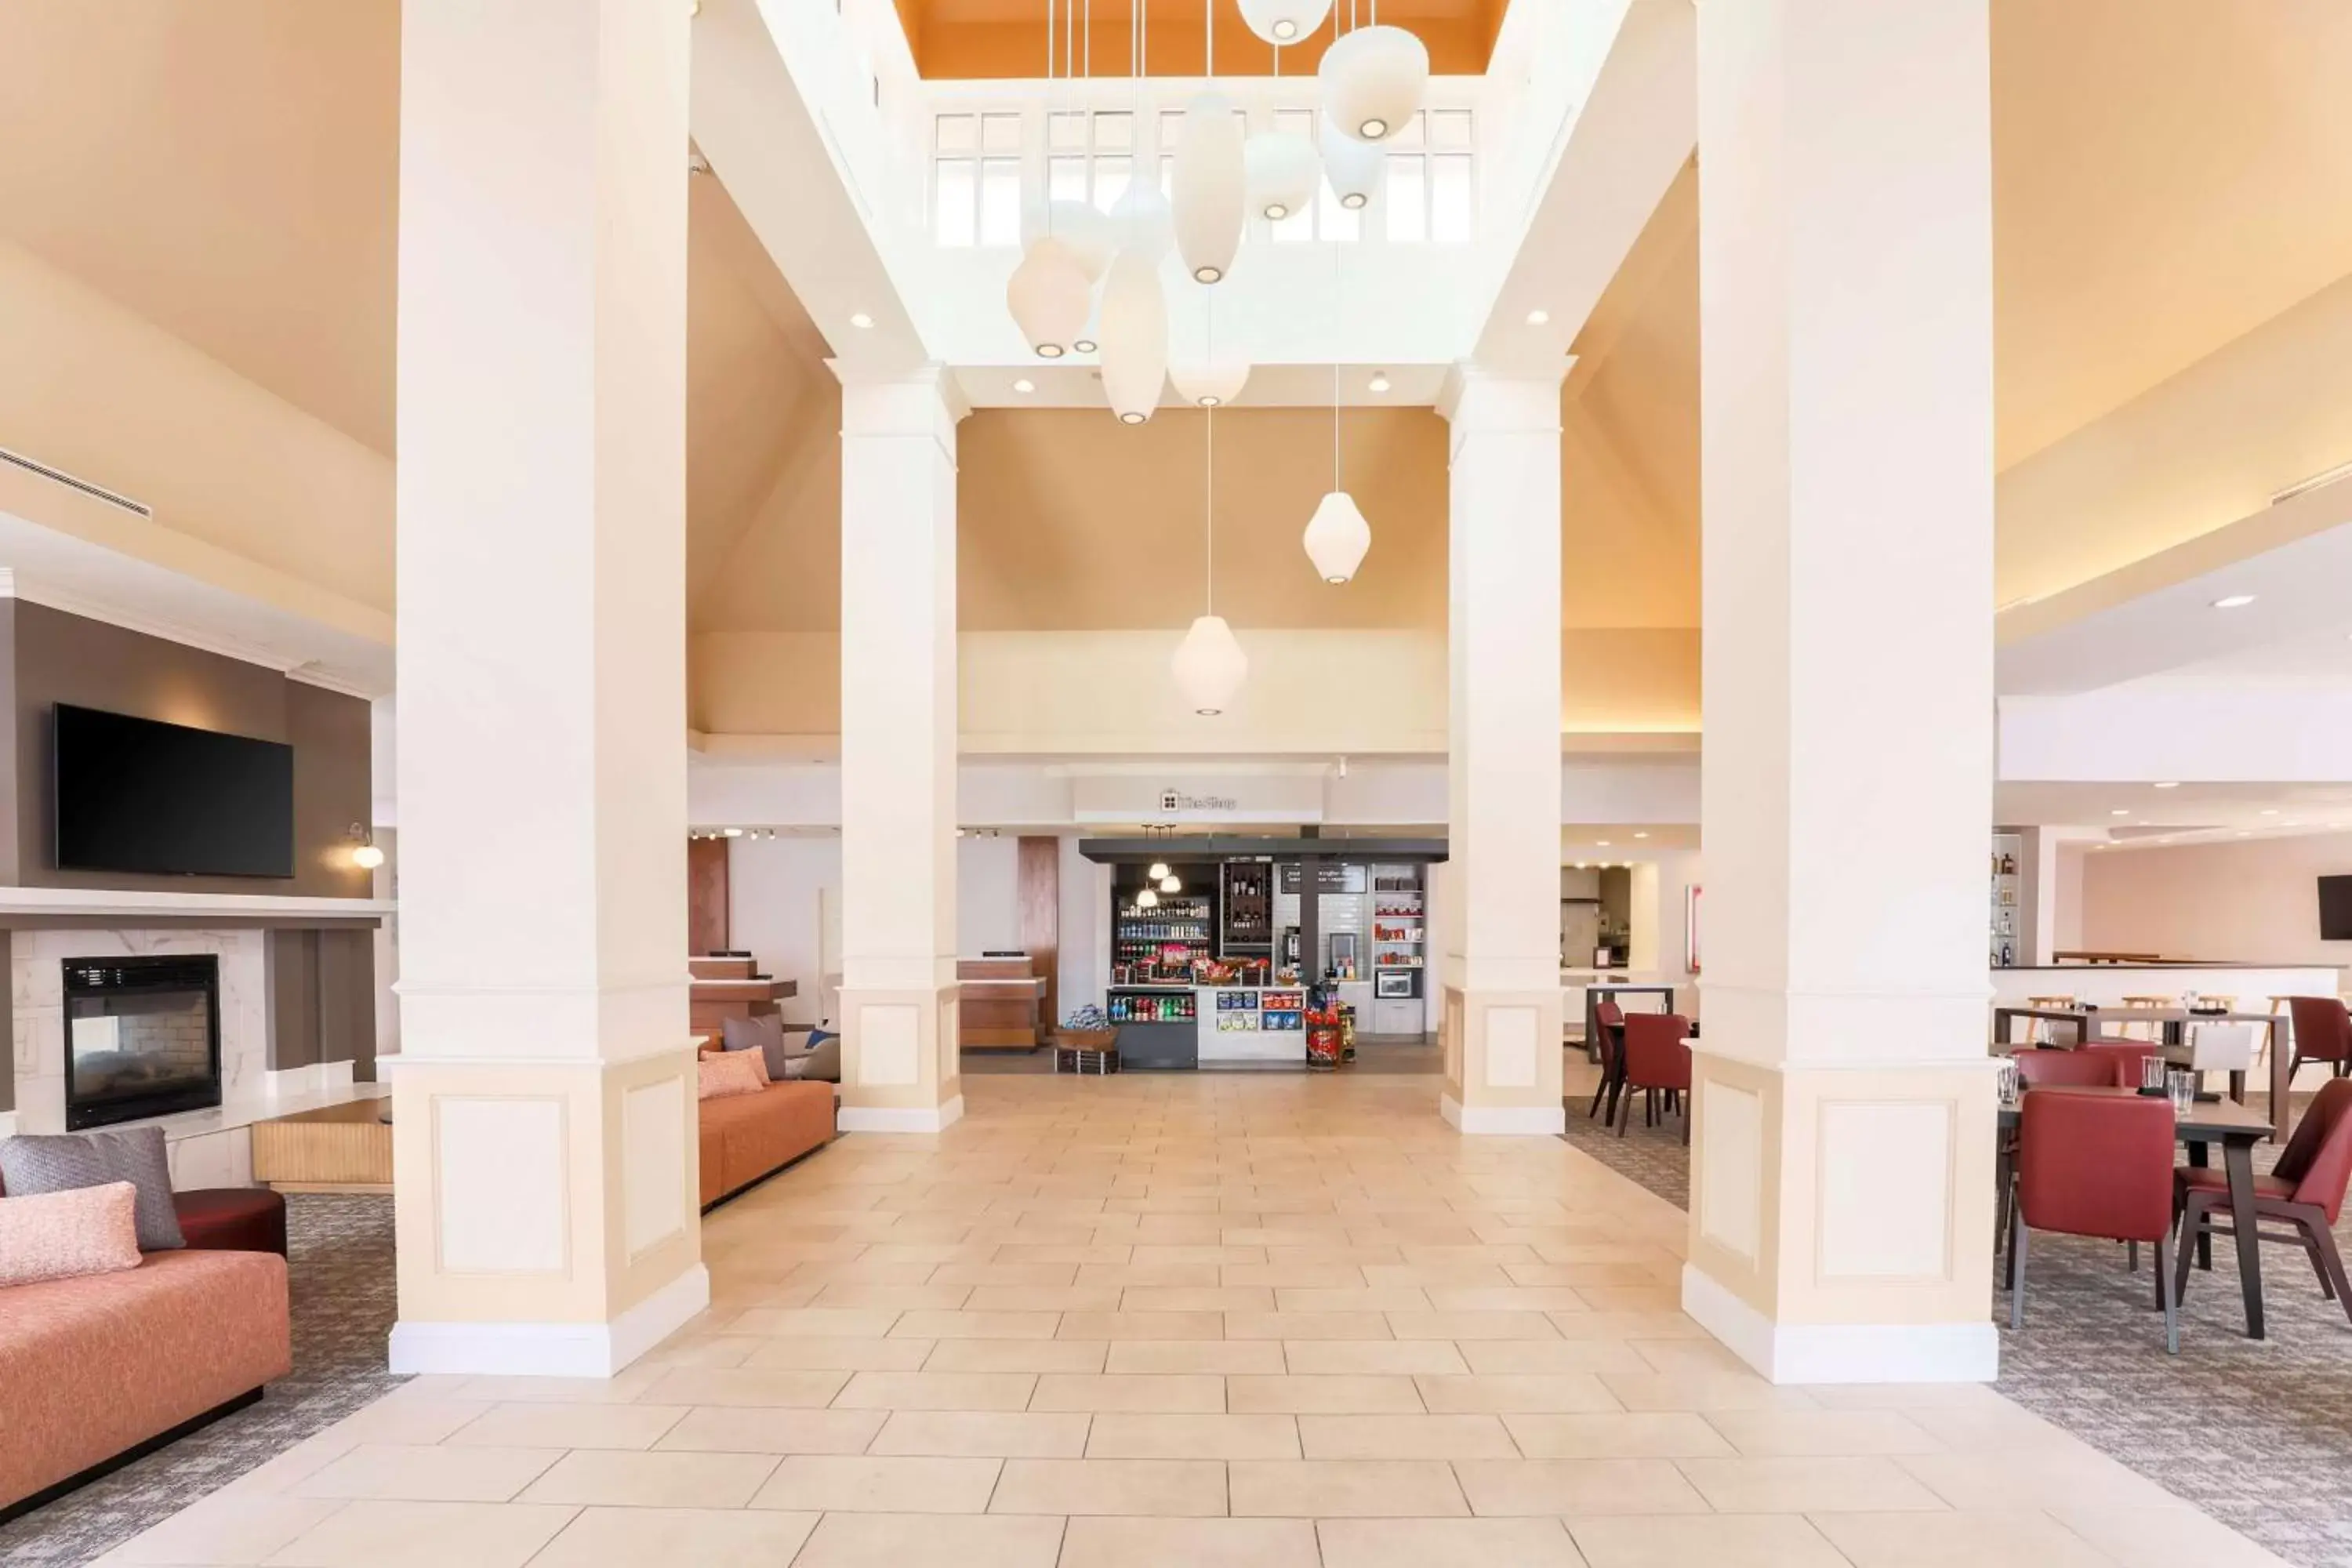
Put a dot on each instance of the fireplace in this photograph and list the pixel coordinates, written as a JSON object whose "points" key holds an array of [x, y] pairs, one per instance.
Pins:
{"points": [[142, 1037]]}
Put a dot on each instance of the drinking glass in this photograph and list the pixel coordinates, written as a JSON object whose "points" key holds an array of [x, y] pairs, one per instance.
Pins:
{"points": [[2152, 1070], [2008, 1081], [2183, 1085]]}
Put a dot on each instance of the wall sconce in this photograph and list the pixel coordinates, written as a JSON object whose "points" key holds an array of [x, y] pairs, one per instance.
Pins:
{"points": [[364, 854]]}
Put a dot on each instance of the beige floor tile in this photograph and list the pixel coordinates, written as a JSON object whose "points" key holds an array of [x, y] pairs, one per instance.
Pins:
{"points": [[1554, 1393], [2045, 1478], [568, 1427], [1702, 1391], [1124, 1436], [1453, 1275], [2020, 1536], [1220, 1356], [1172, 1391], [816, 1323], [1808, 1486], [1335, 1394], [409, 1473], [855, 1295], [2170, 1536], [1541, 1357], [845, 1484], [1617, 1435], [668, 1479], [1504, 1299], [1345, 1489], [1017, 1355], [1150, 1276], [410, 1420], [1318, 1358], [1717, 1541], [1056, 1299], [1173, 1489], [227, 1528], [1446, 1543], [1626, 1326], [901, 1541], [705, 1538], [1142, 1326], [938, 1390], [1839, 1432], [960, 1325], [998, 1434], [1470, 1325], [1362, 1299], [620, 1389], [1111, 1542], [837, 1355], [1306, 1326], [1501, 1487], [979, 1274], [1405, 1437], [749, 1429], [2003, 1430], [1180, 1299], [382, 1535], [1298, 1276], [749, 1385]]}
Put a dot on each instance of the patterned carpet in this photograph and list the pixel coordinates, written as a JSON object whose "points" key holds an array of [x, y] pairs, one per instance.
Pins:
{"points": [[344, 1305], [2257, 1432]]}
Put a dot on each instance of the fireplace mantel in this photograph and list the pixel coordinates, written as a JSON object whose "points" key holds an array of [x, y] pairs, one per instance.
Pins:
{"points": [[23, 909]]}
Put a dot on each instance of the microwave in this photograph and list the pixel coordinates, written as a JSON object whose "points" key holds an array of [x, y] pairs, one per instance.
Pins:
{"points": [[1393, 983]]}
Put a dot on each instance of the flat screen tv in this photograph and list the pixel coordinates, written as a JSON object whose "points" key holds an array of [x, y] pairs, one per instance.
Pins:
{"points": [[133, 794], [2336, 908]]}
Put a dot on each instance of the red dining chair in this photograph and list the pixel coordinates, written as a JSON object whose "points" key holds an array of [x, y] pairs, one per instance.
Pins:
{"points": [[2127, 1055], [2096, 1165], [1657, 1062], [2066, 1069], [1610, 1020], [2323, 1033], [2304, 1190]]}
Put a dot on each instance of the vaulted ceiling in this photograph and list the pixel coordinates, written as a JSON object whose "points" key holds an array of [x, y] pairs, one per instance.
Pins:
{"points": [[958, 40]]}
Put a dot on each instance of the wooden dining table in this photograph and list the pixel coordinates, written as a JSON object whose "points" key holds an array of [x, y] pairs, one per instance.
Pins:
{"points": [[2094, 1026], [2206, 1123]]}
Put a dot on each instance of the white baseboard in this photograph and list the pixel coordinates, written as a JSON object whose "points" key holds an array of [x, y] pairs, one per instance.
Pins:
{"points": [[7, 1124], [1502, 1120], [551, 1350], [1842, 1352], [899, 1119]]}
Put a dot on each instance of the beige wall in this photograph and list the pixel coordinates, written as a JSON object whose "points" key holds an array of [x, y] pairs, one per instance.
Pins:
{"points": [[2248, 901]]}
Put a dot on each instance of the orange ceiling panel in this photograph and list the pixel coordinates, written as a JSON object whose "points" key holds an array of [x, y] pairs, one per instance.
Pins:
{"points": [[967, 39]]}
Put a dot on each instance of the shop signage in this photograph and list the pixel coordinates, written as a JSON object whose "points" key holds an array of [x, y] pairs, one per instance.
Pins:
{"points": [[1176, 803], [1238, 797], [1330, 877]]}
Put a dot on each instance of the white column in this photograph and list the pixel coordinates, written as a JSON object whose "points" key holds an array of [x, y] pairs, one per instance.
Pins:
{"points": [[901, 1071], [1500, 1020], [1842, 1215], [545, 1095]]}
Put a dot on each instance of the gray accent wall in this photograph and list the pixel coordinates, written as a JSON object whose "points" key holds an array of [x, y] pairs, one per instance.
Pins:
{"points": [[7, 1029], [49, 657], [321, 998]]}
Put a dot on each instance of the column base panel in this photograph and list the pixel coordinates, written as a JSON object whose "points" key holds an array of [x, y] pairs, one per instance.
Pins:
{"points": [[1841, 1352], [1502, 1120], [551, 1350], [899, 1118]]}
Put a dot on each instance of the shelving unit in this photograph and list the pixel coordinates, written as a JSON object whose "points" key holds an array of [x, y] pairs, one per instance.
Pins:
{"points": [[1248, 908], [1399, 923], [2007, 890], [1151, 1005], [1165, 940]]}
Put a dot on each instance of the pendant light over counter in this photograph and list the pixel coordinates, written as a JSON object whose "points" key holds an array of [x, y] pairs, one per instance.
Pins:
{"points": [[1210, 666]]}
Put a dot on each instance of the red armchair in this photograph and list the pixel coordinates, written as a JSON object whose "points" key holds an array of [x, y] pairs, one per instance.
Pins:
{"points": [[2066, 1069], [2304, 1190], [1610, 1018], [2323, 1033], [2096, 1165], [1657, 1062]]}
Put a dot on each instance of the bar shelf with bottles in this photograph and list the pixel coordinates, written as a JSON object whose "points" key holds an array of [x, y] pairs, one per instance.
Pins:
{"points": [[1400, 949]]}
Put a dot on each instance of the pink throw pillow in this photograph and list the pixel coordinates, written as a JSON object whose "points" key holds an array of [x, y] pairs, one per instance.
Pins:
{"points": [[62, 1235], [729, 1073]]}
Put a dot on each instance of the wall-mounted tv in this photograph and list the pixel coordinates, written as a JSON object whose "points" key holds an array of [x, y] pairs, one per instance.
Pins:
{"points": [[2336, 908], [133, 794]]}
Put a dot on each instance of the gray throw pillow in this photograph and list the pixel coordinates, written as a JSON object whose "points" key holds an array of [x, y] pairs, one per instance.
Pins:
{"points": [[822, 1059], [57, 1163]]}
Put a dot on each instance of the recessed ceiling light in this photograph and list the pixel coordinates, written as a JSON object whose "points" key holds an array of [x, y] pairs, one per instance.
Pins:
{"points": [[1083, 345], [1640, 835], [1024, 384], [2169, 783], [1537, 318], [2270, 811], [2120, 811], [860, 320], [1600, 844], [2233, 602], [2243, 833], [1379, 381]]}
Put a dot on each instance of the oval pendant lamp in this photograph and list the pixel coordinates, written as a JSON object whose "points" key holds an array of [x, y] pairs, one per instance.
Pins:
{"points": [[1134, 337], [1210, 188], [1353, 168], [1373, 81], [1141, 222], [1209, 383], [1210, 666], [1050, 297], [1338, 537], [1284, 21], [1090, 235], [1280, 169]]}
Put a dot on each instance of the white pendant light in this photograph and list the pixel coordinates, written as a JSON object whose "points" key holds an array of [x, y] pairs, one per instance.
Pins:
{"points": [[1279, 170], [1209, 187], [1210, 666], [1134, 338], [1353, 168], [1141, 221], [1158, 870], [1049, 297], [1147, 900], [1170, 884], [1373, 81], [1091, 234], [1209, 383], [1284, 21], [1337, 537]]}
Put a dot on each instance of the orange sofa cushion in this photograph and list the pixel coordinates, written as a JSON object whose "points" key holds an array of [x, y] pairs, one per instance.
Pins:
{"points": [[746, 1136], [92, 1366]]}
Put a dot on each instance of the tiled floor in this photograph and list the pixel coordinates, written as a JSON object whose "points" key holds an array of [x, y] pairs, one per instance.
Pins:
{"points": [[1261, 1321]]}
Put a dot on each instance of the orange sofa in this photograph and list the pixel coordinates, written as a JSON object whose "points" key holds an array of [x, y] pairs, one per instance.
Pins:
{"points": [[96, 1371], [748, 1136]]}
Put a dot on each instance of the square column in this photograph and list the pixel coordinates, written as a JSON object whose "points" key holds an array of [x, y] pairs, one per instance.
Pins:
{"points": [[545, 1095], [1500, 1022], [1842, 1214], [900, 1070]]}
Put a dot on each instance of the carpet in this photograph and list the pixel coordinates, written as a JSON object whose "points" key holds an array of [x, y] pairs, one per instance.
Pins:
{"points": [[340, 1272]]}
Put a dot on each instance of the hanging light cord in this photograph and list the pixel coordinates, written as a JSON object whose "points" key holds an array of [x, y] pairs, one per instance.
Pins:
{"points": [[1336, 486], [1209, 523]]}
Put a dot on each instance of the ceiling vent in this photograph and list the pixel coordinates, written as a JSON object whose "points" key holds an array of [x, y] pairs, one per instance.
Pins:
{"points": [[96, 492]]}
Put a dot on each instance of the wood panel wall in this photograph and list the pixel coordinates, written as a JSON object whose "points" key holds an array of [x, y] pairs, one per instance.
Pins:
{"points": [[1039, 879], [707, 896]]}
